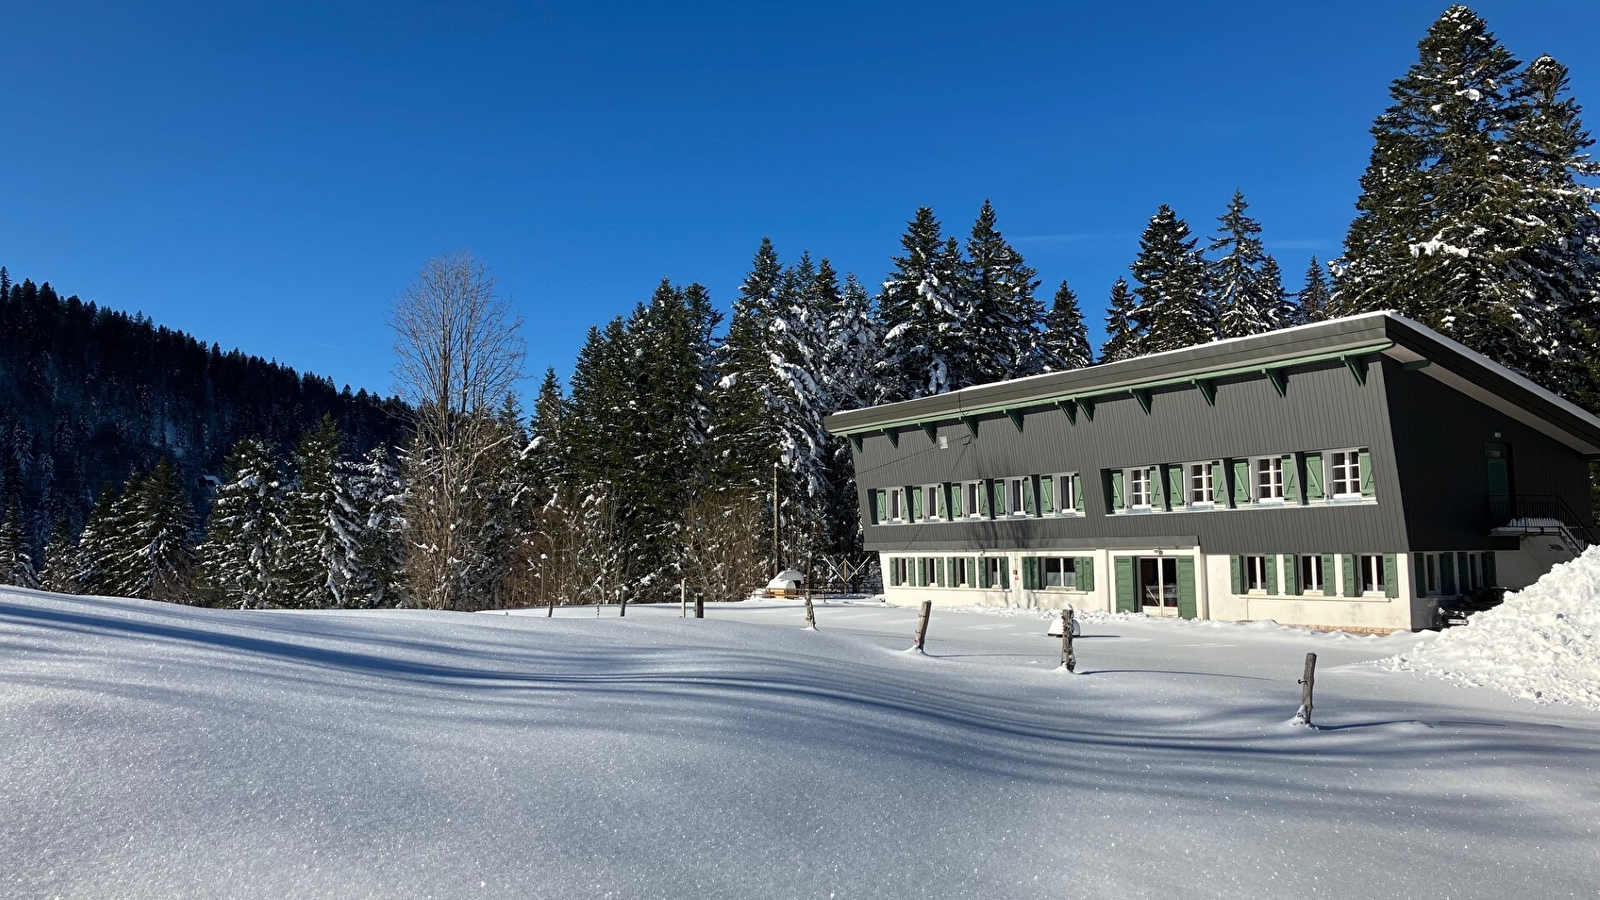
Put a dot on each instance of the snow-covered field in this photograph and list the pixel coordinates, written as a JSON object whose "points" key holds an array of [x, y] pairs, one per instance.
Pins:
{"points": [[154, 751]]}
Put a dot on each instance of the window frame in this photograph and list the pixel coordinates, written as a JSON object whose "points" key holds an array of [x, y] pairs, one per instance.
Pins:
{"points": [[896, 505], [1275, 487], [1066, 569], [1370, 574], [1016, 500], [1352, 478], [1066, 493], [996, 572], [1133, 476], [1203, 496], [970, 504], [1254, 574], [1311, 564], [930, 502]]}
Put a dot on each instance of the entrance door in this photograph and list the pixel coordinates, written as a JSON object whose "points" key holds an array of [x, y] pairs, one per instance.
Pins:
{"points": [[1498, 460], [1158, 585]]}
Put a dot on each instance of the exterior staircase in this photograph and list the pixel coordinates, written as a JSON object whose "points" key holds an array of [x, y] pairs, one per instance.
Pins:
{"points": [[1541, 515]]}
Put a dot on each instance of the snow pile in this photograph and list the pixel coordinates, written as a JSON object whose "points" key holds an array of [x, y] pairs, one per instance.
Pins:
{"points": [[1542, 643]]}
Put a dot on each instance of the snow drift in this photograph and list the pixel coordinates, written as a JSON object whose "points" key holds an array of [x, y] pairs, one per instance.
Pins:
{"points": [[1542, 643]]}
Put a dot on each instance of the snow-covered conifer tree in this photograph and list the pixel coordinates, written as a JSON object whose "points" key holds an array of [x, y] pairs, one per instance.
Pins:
{"points": [[243, 554], [924, 307], [1065, 342], [59, 571], [1174, 307], [1244, 300], [1313, 299], [1003, 328], [16, 564], [159, 561], [1121, 326]]}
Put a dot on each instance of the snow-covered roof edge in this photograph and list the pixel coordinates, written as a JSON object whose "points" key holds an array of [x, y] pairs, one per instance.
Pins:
{"points": [[1371, 332]]}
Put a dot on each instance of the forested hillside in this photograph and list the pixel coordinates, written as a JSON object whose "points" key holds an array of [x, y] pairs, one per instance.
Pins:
{"points": [[90, 395]]}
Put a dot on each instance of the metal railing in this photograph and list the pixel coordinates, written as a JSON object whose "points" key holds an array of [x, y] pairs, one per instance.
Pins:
{"points": [[1535, 512]]}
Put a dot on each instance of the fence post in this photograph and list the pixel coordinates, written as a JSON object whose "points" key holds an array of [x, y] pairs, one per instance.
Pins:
{"points": [[1069, 661], [1307, 681], [811, 612], [922, 626], [622, 598], [683, 598], [699, 606]]}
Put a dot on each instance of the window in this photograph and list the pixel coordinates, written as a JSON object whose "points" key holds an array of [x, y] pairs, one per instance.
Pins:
{"points": [[1255, 573], [960, 573], [1473, 576], [1017, 497], [1139, 487], [897, 502], [1345, 473], [970, 492], [995, 570], [1060, 572], [1269, 478], [1311, 574], [930, 501], [1371, 568], [1430, 571], [1066, 494], [1200, 487], [930, 570], [899, 571]]}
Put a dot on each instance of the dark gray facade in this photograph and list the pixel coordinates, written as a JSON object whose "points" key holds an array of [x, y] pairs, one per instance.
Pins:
{"points": [[1421, 405]]}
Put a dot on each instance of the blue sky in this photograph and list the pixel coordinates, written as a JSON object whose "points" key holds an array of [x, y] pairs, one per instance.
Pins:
{"points": [[270, 177]]}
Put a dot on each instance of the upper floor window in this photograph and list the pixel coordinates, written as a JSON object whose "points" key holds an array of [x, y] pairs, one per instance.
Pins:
{"points": [[1201, 488], [1139, 488], [1066, 493], [1344, 473], [932, 508], [897, 504], [1269, 478], [1017, 499]]}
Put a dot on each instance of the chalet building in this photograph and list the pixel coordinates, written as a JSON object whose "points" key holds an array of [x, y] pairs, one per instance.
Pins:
{"points": [[1352, 474]]}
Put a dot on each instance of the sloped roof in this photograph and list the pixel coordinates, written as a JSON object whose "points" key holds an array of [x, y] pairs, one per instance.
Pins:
{"points": [[1352, 338]]}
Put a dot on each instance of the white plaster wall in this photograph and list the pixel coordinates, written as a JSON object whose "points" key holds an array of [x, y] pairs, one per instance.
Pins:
{"points": [[1340, 612]]}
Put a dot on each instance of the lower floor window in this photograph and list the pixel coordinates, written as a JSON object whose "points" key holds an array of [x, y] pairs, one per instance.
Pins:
{"points": [[959, 574], [1255, 573], [930, 570], [899, 571], [1060, 572], [1311, 574], [1371, 574], [995, 570]]}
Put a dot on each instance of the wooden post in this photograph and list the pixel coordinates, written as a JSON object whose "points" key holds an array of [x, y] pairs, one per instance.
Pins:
{"points": [[811, 612], [699, 606], [683, 598], [922, 627], [551, 612], [622, 613], [1068, 660], [1307, 681]]}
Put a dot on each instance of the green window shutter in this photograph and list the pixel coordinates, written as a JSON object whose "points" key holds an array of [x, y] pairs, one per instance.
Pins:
{"points": [[1158, 487], [1366, 474], [983, 499], [944, 501], [1420, 562], [1119, 499], [1077, 493], [1352, 584], [1463, 573], [1237, 562], [1175, 489], [1084, 567], [1329, 585], [1047, 495], [1490, 578], [1005, 573], [1188, 607], [1241, 482], [938, 573], [1291, 479], [998, 502], [1314, 476], [1391, 575], [1127, 599], [1291, 575], [1030, 484], [1271, 562], [1219, 484], [1447, 574], [973, 572], [957, 496], [880, 506], [983, 573], [916, 503]]}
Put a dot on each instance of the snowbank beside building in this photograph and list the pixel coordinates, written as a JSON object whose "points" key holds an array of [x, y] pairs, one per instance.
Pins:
{"points": [[1542, 643]]}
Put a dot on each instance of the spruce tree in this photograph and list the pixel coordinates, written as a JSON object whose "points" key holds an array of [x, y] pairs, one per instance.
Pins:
{"points": [[1003, 329], [378, 494], [159, 562], [925, 306], [1121, 325], [93, 559], [1283, 309], [243, 555], [1174, 309], [1065, 341], [1442, 226], [16, 564], [1314, 300], [745, 424], [59, 571], [1245, 301]]}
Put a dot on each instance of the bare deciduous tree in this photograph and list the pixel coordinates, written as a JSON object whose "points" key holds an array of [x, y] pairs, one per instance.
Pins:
{"points": [[460, 351], [727, 545]]}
